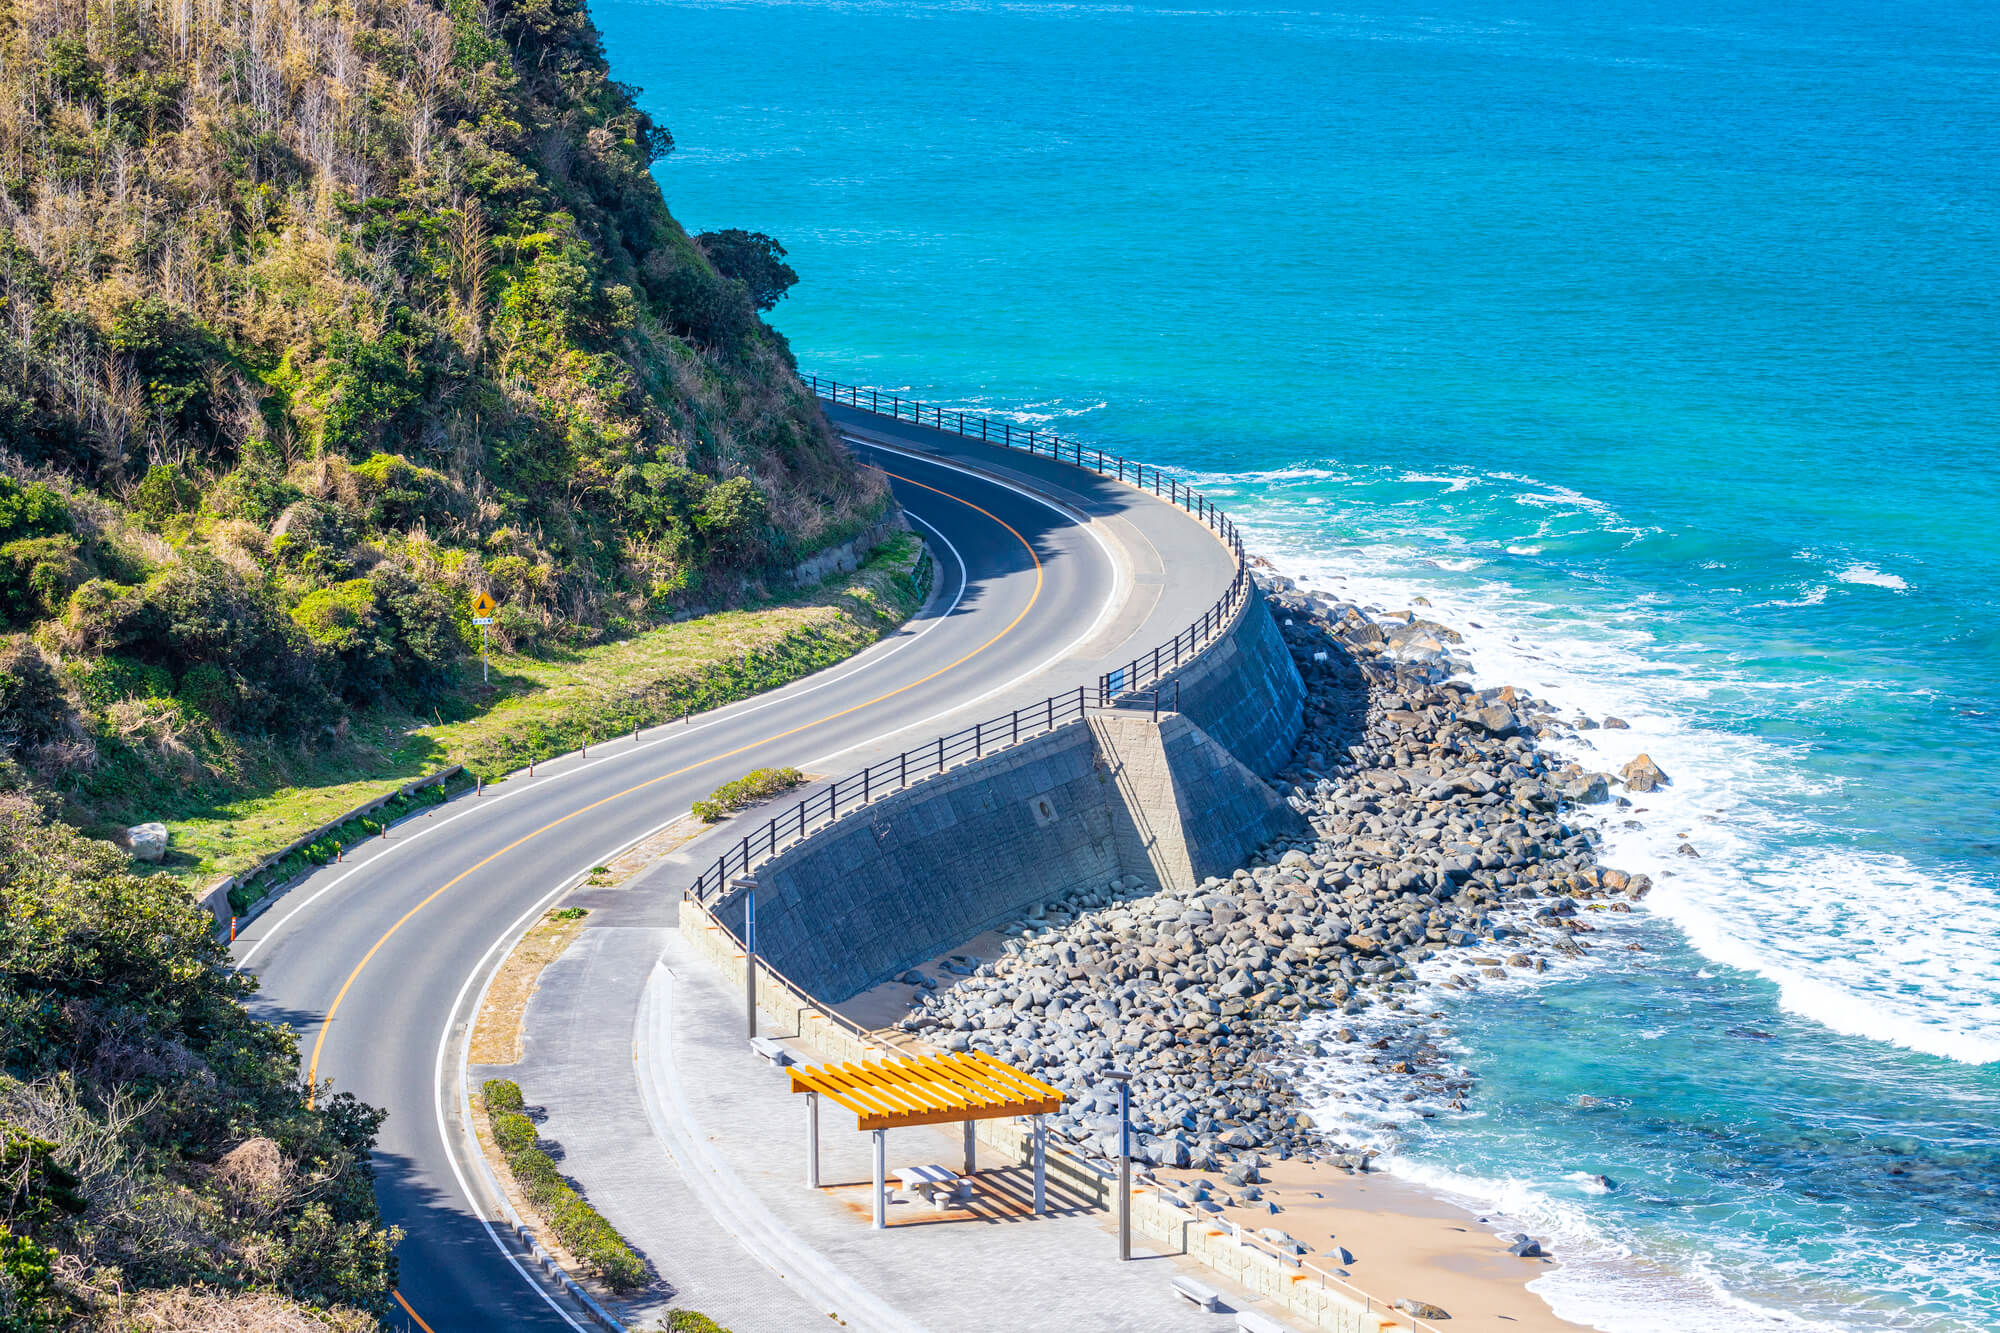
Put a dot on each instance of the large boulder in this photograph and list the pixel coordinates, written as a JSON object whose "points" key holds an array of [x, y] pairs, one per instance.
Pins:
{"points": [[1494, 719], [1642, 774], [1421, 1309], [147, 842]]}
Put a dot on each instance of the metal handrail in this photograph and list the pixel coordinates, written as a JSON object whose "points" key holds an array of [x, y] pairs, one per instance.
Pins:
{"points": [[895, 773], [1147, 668], [1122, 683]]}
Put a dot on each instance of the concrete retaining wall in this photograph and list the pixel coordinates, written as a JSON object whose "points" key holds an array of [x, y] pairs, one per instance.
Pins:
{"points": [[849, 555], [1245, 692], [920, 872]]}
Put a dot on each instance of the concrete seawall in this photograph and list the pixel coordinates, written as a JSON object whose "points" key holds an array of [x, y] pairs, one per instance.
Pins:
{"points": [[1244, 690], [917, 873]]}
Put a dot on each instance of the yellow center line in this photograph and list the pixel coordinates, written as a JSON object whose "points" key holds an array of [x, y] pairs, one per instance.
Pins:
{"points": [[312, 1073], [408, 1311]]}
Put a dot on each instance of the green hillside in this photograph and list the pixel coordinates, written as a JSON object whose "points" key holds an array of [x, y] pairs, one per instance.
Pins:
{"points": [[316, 319], [319, 318]]}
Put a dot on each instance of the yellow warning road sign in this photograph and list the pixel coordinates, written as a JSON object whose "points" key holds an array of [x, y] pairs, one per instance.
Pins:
{"points": [[483, 604]]}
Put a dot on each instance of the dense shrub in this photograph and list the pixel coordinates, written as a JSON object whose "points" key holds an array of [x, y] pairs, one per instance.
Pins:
{"points": [[131, 1077], [37, 575], [759, 784], [577, 1225], [164, 492], [256, 492], [104, 681], [30, 510], [689, 1321], [399, 494], [34, 711], [753, 259]]}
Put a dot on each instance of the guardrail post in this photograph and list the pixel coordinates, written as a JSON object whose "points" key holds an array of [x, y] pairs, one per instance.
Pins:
{"points": [[903, 769], [864, 787], [1017, 728], [976, 746], [940, 754], [1052, 711]]}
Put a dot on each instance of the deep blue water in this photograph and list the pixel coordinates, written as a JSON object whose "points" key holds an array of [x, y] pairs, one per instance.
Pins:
{"points": [[1661, 343]]}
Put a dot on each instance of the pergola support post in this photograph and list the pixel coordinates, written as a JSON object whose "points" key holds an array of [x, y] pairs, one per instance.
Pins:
{"points": [[881, 1179], [971, 1152], [812, 1140], [1041, 1150]]}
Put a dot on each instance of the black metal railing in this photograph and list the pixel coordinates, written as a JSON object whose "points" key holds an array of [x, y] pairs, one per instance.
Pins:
{"points": [[1122, 686], [1146, 669], [892, 774]]}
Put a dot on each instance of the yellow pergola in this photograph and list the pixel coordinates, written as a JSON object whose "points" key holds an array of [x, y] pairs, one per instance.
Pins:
{"points": [[925, 1090]]}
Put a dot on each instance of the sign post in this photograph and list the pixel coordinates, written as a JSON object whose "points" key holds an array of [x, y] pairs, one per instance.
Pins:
{"points": [[483, 607]]}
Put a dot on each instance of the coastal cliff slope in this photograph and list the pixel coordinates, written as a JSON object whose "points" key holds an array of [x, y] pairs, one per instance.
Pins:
{"points": [[317, 318]]}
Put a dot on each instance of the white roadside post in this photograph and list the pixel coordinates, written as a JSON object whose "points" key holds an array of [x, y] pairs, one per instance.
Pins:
{"points": [[1041, 1164]]}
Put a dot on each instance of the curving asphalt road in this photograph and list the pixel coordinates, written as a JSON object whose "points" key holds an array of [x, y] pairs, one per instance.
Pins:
{"points": [[376, 962]]}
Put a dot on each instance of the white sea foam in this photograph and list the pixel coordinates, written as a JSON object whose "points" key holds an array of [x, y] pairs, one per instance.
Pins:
{"points": [[1452, 485], [1600, 1282], [1871, 576], [1864, 942]]}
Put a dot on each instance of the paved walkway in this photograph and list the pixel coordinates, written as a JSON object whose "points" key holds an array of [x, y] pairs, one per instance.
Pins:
{"points": [[693, 1147]]}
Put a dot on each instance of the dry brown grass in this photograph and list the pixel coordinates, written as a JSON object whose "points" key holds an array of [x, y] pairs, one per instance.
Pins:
{"points": [[192, 1310], [496, 1037]]}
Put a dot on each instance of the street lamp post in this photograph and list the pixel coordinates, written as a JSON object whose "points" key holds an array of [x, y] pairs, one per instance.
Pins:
{"points": [[1123, 1078]]}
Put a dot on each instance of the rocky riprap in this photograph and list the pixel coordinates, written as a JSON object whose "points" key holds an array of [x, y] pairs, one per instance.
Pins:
{"points": [[1437, 824]]}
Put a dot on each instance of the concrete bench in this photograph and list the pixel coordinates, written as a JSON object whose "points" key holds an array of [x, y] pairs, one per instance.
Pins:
{"points": [[773, 1050], [1207, 1297], [935, 1183], [1249, 1321]]}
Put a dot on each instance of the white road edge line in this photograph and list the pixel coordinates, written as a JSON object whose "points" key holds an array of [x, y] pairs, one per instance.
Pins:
{"points": [[866, 660], [1119, 589], [520, 923], [507, 937]]}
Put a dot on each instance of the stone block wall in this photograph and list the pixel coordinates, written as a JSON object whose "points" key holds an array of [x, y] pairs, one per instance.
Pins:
{"points": [[919, 873], [1244, 690], [1183, 808]]}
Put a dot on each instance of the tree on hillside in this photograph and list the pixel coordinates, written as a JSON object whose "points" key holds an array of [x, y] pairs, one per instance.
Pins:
{"points": [[751, 258]]}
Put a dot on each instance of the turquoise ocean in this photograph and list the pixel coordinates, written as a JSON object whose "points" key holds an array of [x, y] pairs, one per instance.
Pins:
{"points": [[1659, 347]]}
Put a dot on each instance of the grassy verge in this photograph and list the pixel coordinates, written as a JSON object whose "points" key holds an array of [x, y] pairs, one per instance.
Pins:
{"points": [[538, 707], [581, 1228]]}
